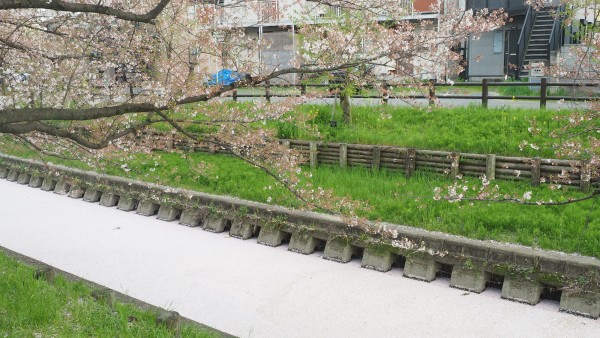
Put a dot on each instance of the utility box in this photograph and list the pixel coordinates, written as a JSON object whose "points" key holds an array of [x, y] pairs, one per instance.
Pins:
{"points": [[536, 73]]}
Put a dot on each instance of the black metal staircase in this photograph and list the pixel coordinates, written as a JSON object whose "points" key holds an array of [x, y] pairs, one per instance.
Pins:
{"points": [[541, 31]]}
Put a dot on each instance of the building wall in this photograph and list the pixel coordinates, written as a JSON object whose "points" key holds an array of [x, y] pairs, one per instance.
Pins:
{"points": [[279, 54], [483, 61]]}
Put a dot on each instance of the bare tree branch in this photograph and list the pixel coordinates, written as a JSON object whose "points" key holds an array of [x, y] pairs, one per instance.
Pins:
{"points": [[63, 6]]}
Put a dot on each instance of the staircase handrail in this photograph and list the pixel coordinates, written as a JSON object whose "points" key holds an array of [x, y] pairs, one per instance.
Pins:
{"points": [[555, 41], [524, 36]]}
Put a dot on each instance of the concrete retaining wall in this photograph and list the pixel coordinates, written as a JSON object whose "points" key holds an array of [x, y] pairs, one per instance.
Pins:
{"points": [[525, 272]]}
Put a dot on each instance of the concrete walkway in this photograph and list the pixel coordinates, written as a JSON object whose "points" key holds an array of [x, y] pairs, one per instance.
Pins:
{"points": [[251, 290]]}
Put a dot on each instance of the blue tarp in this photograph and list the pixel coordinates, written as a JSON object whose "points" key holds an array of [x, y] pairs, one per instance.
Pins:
{"points": [[224, 77]]}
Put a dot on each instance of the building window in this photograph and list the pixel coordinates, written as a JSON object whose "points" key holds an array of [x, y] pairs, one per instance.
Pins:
{"points": [[498, 42]]}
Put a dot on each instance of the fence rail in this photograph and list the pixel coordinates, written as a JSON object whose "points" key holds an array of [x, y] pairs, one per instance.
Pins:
{"points": [[407, 160], [430, 89]]}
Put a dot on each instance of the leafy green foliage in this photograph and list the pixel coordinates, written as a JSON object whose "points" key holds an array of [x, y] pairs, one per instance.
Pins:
{"points": [[30, 307]]}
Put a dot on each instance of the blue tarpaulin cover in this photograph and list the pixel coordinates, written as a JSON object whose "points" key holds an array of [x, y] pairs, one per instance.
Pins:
{"points": [[224, 77]]}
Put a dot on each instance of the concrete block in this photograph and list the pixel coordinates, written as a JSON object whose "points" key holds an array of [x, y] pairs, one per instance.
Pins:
{"points": [[521, 290], [271, 236], [3, 172], [468, 279], [13, 175], [62, 187], [191, 218], [377, 260], [24, 178], [76, 192], [109, 199], [92, 195], [242, 228], [127, 203], [147, 208], [583, 303], [48, 184], [168, 213], [215, 223], [36, 181], [303, 243], [338, 250], [421, 267]]}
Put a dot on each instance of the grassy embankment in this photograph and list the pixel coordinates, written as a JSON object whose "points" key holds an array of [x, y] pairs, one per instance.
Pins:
{"points": [[393, 198], [468, 129], [36, 308]]}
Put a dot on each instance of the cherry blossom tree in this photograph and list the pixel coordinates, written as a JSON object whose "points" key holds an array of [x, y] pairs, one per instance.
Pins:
{"points": [[90, 76]]}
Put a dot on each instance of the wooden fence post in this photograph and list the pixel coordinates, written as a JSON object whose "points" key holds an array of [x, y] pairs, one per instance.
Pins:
{"points": [[302, 89], [455, 166], [484, 93], [313, 154], [535, 171], [343, 155], [431, 92], [376, 162], [490, 166], [170, 141], [235, 95], [586, 175], [268, 90], [411, 158], [543, 93], [386, 93]]}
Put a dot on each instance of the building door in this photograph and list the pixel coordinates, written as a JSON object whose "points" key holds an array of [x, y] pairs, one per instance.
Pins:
{"points": [[511, 62]]}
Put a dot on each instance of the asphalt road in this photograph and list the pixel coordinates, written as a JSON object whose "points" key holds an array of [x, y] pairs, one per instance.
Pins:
{"points": [[251, 290]]}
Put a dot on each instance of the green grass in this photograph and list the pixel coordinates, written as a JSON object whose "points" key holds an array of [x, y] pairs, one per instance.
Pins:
{"points": [[470, 129], [393, 198], [534, 90], [35, 308], [409, 201], [466, 129]]}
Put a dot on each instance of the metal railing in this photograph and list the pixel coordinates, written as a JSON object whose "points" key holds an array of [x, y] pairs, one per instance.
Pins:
{"points": [[428, 91], [556, 39], [524, 36]]}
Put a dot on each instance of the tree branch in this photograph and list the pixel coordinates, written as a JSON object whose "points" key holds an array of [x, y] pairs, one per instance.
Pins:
{"points": [[18, 129], [63, 6], [594, 194]]}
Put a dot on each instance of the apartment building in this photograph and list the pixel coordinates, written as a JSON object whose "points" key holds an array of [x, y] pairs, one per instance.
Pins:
{"points": [[530, 37], [533, 37], [275, 22]]}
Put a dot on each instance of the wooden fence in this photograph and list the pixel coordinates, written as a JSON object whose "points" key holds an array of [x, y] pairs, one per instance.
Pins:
{"points": [[408, 160], [430, 89]]}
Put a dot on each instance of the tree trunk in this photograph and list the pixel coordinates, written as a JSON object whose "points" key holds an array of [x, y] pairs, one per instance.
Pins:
{"points": [[345, 103]]}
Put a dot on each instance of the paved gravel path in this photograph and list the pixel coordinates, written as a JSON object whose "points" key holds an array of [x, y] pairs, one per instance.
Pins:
{"points": [[251, 290]]}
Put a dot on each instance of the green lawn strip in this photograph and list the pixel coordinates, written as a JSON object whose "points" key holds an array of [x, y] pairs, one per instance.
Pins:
{"points": [[32, 307], [465, 129], [393, 198], [470, 129]]}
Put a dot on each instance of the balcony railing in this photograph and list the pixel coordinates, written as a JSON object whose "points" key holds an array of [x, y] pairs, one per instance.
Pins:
{"points": [[256, 12]]}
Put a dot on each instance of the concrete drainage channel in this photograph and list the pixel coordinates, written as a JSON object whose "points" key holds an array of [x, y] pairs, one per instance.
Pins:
{"points": [[524, 274]]}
